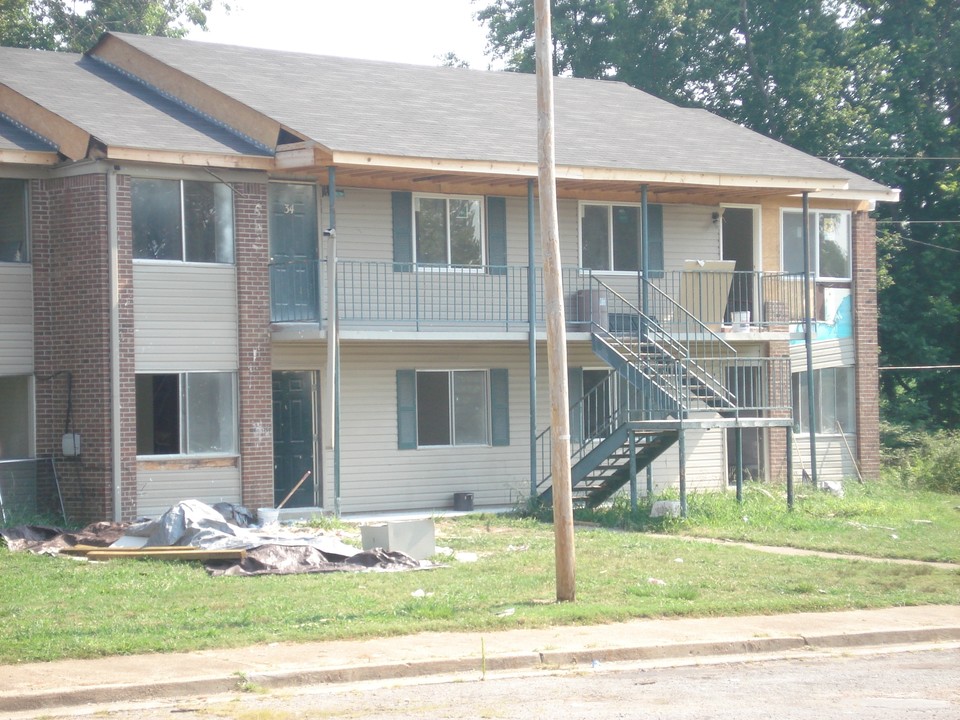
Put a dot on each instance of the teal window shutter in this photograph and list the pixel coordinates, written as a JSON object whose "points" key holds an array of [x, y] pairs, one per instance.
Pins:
{"points": [[575, 393], [500, 406], [655, 238], [402, 232], [406, 409], [497, 235]]}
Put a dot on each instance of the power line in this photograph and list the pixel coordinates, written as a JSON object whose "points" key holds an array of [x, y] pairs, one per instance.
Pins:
{"points": [[918, 222], [931, 245], [922, 367], [897, 158]]}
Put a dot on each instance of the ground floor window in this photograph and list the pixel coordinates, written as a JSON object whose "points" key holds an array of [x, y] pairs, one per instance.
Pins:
{"points": [[16, 417], [834, 399], [192, 413], [452, 408]]}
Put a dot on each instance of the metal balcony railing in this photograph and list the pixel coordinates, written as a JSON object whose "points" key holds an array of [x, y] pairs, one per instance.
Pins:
{"points": [[418, 297]]}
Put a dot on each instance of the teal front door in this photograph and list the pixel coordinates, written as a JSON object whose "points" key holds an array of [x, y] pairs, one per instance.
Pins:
{"points": [[293, 253], [294, 439]]}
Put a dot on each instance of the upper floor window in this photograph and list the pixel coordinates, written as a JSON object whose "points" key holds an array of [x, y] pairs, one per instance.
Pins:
{"points": [[448, 230], [829, 233], [610, 237], [13, 221], [182, 220]]}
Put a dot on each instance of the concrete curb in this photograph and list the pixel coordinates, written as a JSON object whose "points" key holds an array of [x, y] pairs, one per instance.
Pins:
{"points": [[157, 690]]}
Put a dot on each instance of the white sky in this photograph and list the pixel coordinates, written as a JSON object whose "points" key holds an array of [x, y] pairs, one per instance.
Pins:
{"points": [[410, 31]]}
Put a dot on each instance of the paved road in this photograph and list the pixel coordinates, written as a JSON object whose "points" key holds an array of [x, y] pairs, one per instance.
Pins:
{"points": [[875, 685]]}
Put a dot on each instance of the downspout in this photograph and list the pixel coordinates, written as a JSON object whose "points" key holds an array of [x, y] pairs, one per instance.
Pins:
{"points": [[532, 323], [113, 242], [808, 339], [333, 338]]}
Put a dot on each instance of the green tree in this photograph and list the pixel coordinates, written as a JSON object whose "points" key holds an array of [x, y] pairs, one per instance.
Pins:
{"points": [[63, 25], [862, 81]]}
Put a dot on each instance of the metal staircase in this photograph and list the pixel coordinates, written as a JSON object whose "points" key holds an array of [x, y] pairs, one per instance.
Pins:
{"points": [[657, 379]]}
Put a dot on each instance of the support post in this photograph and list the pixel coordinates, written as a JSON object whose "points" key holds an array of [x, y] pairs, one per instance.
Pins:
{"points": [[683, 472], [556, 330], [633, 471], [738, 436], [808, 338], [333, 338], [789, 468], [532, 342], [644, 261]]}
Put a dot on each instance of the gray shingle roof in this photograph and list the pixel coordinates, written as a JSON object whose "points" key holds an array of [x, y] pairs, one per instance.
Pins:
{"points": [[117, 110], [376, 107]]}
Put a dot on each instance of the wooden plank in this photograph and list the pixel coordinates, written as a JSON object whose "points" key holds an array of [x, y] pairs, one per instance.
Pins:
{"points": [[166, 553]]}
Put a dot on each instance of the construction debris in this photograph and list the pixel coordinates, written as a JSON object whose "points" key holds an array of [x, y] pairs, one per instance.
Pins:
{"points": [[192, 530]]}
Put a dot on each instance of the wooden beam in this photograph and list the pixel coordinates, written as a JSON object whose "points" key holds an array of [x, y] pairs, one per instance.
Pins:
{"points": [[197, 159], [28, 157], [218, 105], [69, 139]]}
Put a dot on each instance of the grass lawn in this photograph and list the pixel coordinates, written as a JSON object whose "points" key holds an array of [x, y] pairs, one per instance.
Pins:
{"points": [[53, 608]]}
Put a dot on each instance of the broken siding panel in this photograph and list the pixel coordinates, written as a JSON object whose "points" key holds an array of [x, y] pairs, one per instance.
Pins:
{"points": [[826, 353], [16, 320], [185, 317], [376, 476], [158, 490]]}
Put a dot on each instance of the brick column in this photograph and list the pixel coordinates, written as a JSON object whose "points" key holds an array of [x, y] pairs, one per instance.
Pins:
{"points": [[72, 335], [865, 343], [779, 390], [128, 388], [255, 378]]}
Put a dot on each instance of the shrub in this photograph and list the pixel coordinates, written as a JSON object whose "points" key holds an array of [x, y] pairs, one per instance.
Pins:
{"points": [[930, 462]]}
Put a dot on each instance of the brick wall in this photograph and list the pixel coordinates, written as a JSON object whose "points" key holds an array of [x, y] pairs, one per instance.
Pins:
{"points": [[779, 389], [128, 390], [255, 378], [72, 335], [865, 343]]}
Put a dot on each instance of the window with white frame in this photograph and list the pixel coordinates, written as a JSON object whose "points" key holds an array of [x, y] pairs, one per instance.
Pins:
{"points": [[448, 230], [610, 237], [183, 220], [192, 413], [13, 221], [829, 238], [834, 399]]}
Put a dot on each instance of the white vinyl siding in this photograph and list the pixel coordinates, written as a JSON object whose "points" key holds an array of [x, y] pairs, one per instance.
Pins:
{"points": [[16, 320], [158, 490], [826, 353], [185, 317], [377, 476]]}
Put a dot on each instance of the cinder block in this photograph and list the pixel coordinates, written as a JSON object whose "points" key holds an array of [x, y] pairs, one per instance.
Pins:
{"points": [[415, 538]]}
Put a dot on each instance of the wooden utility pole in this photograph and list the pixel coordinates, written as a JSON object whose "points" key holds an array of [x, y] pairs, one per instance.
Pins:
{"points": [[556, 322]]}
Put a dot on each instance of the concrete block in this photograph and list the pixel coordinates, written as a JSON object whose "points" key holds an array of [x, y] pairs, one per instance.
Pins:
{"points": [[416, 538]]}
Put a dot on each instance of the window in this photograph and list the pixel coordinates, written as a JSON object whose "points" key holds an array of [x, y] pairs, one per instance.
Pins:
{"points": [[13, 221], [610, 237], [16, 417], [448, 231], [829, 243], [182, 220], [452, 408], [833, 397], [186, 414]]}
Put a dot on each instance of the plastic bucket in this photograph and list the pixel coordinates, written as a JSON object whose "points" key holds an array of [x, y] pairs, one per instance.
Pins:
{"points": [[268, 516]]}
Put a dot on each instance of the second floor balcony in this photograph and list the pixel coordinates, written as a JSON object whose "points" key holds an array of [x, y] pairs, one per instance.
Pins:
{"points": [[403, 297]]}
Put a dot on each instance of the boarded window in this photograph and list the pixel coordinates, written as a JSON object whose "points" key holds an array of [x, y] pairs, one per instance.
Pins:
{"points": [[16, 417]]}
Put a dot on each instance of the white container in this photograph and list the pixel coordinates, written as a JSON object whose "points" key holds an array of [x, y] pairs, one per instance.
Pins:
{"points": [[268, 516], [740, 321]]}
